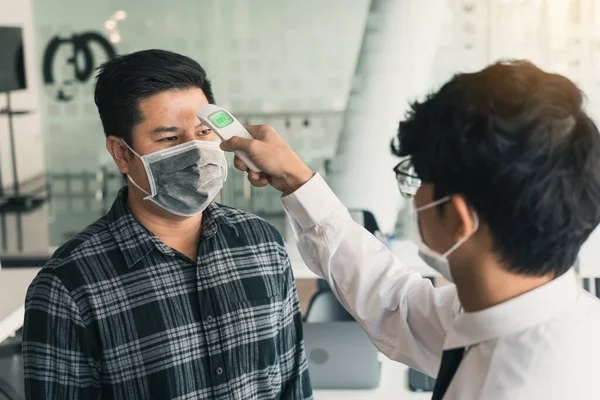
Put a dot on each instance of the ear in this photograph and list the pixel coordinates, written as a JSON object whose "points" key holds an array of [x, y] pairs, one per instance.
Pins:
{"points": [[119, 152], [465, 216]]}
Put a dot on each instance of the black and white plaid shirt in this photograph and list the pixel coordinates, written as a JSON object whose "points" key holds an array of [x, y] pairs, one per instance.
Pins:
{"points": [[117, 314]]}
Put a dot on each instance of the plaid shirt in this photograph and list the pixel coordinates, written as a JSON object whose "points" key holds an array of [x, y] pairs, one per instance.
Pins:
{"points": [[117, 314]]}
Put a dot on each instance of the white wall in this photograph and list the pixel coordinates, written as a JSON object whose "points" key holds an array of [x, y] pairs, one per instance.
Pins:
{"points": [[394, 67], [263, 56], [558, 36], [27, 128], [266, 58], [589, 256]]}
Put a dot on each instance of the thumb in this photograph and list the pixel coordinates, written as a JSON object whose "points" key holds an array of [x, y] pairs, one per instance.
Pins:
{"points": [[236, 143]]}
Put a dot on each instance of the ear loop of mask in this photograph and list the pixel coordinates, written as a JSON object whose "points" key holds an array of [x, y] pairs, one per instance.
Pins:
{"points": [[461, 241], [465, 238], [433, 204], [149, 196]]}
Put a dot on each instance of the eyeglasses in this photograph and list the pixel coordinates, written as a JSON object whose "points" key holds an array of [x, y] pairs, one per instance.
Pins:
{"points": [[408, 180]]}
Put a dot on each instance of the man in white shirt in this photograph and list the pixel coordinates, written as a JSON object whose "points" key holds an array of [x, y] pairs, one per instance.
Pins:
{"points": [[504, 168]]}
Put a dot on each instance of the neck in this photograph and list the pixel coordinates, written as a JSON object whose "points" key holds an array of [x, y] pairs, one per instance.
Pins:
{"points": [[180, 233], [492, 284]]}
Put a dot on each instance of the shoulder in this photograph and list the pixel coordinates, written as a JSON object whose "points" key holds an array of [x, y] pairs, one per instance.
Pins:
{"points": [[268, 248], [251, 225], [82, 251], [559, 355], [82, 240]]}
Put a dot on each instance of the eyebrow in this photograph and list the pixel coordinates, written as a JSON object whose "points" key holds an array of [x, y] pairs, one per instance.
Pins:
{"points": [[171, 129]]}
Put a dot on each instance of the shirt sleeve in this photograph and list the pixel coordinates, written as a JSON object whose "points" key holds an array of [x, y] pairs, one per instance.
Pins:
{"points": [[294, 367], [405, 316], [59, 360]]}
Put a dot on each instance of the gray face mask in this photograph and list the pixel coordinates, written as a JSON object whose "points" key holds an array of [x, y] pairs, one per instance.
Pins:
{"points": [[184, 179]]}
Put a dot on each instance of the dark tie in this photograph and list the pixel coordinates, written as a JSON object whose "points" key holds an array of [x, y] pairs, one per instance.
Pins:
{"points": [[450, 361]]}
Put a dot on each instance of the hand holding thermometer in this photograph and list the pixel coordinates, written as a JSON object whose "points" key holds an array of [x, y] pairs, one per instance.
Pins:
{"points": [[226, 126]]}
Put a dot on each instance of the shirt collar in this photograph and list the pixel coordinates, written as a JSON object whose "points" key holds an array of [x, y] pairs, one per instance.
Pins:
{"points": [[216, 217], [515, 315], [136, 242]]}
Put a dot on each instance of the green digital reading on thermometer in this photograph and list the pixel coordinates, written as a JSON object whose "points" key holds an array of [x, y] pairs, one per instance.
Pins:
{"points": [[221, 119], [226, 126]]}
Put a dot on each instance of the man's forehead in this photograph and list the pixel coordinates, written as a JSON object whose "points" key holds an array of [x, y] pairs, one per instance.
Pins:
{"points": [[172, 107], [193, 97]]}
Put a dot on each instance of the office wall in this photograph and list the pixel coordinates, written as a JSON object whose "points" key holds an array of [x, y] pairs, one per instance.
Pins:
{"points": [[266, 59], [28, 133], [558, 36], [394, 66], [285, 63], [29, 144]]}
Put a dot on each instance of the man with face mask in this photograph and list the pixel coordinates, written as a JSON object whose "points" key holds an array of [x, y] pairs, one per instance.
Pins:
{"points": [[503, 166], [169, 295]]}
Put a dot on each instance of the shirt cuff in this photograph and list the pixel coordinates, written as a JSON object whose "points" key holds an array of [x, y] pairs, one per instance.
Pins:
{"points": [[312, 203]]}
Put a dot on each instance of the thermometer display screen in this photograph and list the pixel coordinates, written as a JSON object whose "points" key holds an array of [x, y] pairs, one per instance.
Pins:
{"points": [[220, 119]]}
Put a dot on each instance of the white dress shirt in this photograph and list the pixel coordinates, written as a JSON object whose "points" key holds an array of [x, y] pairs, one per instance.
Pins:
{"points": [[544, 344]]}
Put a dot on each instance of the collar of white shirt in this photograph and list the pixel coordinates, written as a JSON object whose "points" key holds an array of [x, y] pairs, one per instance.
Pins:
{"points": [[521, 313]]}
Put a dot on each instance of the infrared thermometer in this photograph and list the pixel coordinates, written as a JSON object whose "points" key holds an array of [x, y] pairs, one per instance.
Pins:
{"points": [[221, 122]]}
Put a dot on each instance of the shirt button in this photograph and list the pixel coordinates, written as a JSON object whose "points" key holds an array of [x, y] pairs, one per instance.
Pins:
{"points": [[209, 318], [219, 371]]}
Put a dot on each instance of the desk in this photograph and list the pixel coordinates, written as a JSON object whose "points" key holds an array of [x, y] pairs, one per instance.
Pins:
{"points": [[394, 385], [13, 287]]}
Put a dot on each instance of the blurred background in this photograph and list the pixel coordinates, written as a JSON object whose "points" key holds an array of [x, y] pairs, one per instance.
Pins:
{"points": [[333, 76]]}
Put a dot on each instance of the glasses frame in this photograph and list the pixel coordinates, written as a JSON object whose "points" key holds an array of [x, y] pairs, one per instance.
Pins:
{"points": [[404, 172]]}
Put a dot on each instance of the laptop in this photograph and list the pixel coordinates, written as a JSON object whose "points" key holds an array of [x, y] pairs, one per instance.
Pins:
{"points": [[341, 356]]}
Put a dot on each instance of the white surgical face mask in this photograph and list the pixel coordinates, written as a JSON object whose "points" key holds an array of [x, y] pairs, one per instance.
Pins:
{"points": [[435, 260], [184, 179]]}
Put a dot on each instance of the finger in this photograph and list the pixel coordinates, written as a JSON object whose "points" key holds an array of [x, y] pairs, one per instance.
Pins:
{"points": [[268, 178], [254, 175], [239, 164], [236, 143], [261, 182]]}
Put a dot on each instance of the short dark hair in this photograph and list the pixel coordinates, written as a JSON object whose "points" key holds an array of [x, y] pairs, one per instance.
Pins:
{"points": [[124, 81], [517, 144]]}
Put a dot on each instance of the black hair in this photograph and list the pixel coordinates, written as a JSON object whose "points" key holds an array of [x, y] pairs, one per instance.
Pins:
{"points": [[516, 142], [124, 81]]}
